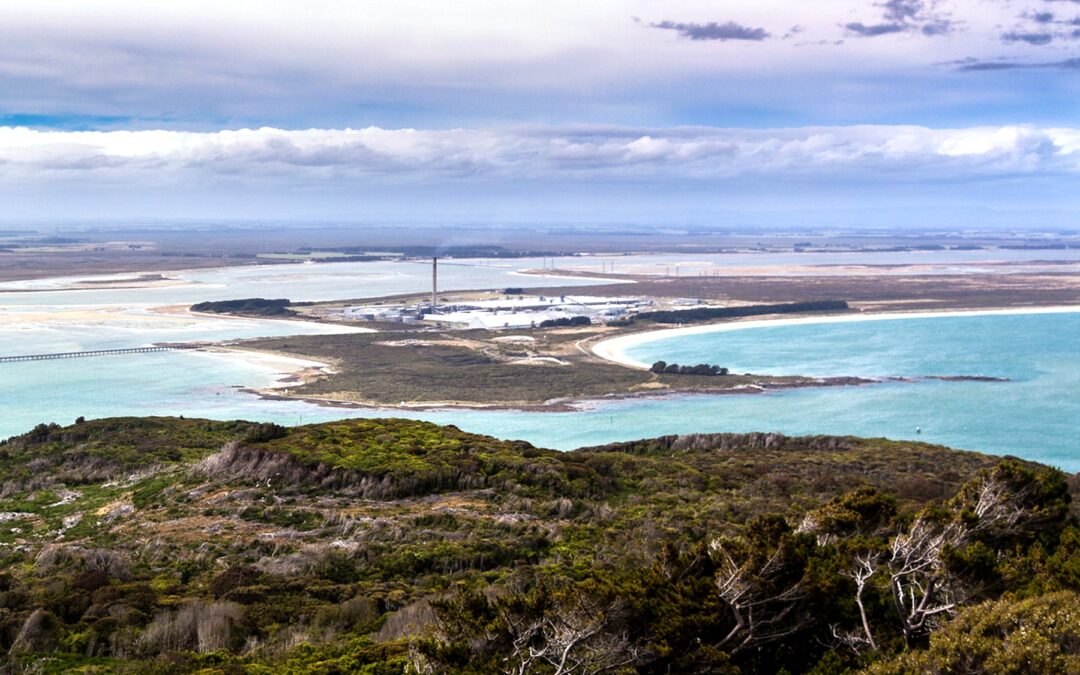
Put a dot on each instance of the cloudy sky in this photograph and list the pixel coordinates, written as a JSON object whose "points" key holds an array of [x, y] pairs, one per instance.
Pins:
{"points": [[927, 113]]}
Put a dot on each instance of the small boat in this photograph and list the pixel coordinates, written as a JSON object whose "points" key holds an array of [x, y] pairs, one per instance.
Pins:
{"points": [[918, 430]]}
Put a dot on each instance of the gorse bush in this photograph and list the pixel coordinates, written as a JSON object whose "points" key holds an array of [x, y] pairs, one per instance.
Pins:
{"points": [[1033, 636]]}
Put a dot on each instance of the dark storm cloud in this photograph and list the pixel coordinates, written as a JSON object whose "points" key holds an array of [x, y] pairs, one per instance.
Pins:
{"points": [[975, 65], [1030, 38], [904, 16], [1042, 28], [902, 10], [935, 28], [714, 31], [862, 30]]}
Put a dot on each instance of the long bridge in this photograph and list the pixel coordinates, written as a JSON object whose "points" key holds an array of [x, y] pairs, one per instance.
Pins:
{"points": [[96, 352]]}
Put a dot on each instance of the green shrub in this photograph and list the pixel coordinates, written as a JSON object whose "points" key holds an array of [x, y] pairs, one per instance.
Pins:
{"points": [[1036, 636]]}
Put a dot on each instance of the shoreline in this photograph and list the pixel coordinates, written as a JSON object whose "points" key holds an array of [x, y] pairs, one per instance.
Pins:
{"points": [[295, 370], [287, 370], [580, 404], [613, 349], [568, 404]]}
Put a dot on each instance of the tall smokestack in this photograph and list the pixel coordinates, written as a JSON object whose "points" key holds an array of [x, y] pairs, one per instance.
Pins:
{"points": [[434, 283]]}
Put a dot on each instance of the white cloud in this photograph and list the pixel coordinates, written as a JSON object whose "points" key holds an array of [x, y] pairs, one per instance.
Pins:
{"points": [[290, 60], [862, 153]]}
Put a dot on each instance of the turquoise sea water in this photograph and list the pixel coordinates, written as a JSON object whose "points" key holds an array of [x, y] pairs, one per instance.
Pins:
{"points": [[1035, 415]]}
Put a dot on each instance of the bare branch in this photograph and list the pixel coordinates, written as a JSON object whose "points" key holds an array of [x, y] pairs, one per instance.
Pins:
{"points": [[761, 610]]}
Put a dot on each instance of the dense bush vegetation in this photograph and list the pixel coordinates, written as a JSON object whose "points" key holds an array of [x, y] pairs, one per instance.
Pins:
{"points": [[711, 313], [1040, 634], [254, 306], [566, 321], [393, 546], [663, 367]]}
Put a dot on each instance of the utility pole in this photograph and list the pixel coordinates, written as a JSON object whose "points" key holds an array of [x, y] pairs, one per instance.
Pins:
{"points": [[434, 283]]}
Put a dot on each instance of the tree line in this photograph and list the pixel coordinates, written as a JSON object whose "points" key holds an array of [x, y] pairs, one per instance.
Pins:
{"points": [[710, 313], [663, 367], [258, 306], [566, 321]]}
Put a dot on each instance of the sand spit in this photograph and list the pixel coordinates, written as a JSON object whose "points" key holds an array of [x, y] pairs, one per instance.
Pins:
{"points": [[289, 370]]}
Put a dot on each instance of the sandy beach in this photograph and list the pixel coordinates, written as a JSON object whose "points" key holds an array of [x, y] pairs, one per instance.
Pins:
{"points": [[614, 349], [289, 370]]}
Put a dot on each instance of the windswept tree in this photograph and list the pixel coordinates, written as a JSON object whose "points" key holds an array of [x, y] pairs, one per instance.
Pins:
{"points": [[558, 631], [760, 578], [580, 636], [951, 555]]}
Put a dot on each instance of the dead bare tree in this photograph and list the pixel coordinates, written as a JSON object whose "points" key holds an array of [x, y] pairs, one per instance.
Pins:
{"points": [[866, 566], [198, 626], [922, 589], [574, 639], [764, 607]]}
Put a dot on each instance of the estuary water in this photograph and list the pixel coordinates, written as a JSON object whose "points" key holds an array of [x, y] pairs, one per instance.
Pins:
{"points": [[81, 313]]}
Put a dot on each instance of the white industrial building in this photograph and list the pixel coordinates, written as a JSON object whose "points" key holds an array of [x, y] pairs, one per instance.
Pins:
{"points": [[504, 312]]}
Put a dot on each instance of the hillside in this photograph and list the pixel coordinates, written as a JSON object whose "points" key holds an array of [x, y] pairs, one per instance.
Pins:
{"points": [[390, 546]]}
